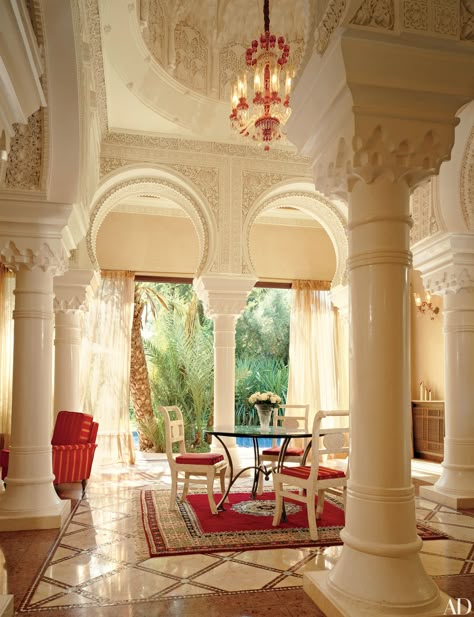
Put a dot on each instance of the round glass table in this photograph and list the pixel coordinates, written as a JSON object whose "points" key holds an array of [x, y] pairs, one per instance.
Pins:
{"points": [[255, 433]]}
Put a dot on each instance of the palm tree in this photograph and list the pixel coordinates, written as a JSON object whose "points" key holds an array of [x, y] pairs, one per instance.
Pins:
{"points": [[146, 299], [181, 364]]}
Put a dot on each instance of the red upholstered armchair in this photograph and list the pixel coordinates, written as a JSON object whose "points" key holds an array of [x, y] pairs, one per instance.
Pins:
{"points": [[74, 444]]}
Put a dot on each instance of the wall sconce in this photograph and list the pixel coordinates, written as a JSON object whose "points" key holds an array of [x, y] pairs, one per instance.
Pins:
{"points": [[425, 306]]}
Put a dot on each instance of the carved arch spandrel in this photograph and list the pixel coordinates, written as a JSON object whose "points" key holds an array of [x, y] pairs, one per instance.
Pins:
{"points": [[133, 181]]}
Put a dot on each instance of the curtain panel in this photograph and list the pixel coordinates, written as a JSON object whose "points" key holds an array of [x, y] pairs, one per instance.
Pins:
{"points": [[106, 354], [313, 376], [7, 285]]}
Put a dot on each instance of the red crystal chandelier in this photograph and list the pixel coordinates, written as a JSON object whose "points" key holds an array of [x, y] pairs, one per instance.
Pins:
{"points": [[261, 113]]}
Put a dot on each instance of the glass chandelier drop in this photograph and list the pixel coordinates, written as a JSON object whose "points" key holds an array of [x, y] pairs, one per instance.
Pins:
{"points": [[261, 113]]}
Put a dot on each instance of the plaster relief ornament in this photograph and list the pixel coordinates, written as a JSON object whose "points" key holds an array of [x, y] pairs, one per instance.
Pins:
{"points": [[467, 20], [375, 13]]}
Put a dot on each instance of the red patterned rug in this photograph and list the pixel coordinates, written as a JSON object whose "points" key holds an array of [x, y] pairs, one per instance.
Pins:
{"points": [[245, 524]]}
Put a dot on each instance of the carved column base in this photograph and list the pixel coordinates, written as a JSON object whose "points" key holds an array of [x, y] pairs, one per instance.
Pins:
{"points": [[333, 604]]}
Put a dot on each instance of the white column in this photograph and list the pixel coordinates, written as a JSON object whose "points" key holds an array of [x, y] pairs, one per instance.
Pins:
{"points": [[380, 564], [67, 360], [340, 299], [71, 293], [455, 487], [224, 369], [224, 298], [446, 263], [30, 501]]}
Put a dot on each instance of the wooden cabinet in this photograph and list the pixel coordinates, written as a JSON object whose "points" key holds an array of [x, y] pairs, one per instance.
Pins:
{"points": [[428, 429]]}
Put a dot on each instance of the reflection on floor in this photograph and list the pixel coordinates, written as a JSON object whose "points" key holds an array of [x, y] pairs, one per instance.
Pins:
{"points": [[97, 566]]}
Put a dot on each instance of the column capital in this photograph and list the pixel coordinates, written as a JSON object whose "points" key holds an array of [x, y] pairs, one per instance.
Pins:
{"points": [[373, 106], [74, 290], [224, 294], [34, 253], [446, 262]]}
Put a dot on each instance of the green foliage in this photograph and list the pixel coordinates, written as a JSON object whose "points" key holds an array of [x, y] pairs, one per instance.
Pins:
{"points": [[180, 356], [154, 430], [264, 327], [179, 349], [257, 375]]}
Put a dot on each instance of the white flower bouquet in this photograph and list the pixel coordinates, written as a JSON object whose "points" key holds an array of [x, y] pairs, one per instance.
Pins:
{"points": [[265, 398]]}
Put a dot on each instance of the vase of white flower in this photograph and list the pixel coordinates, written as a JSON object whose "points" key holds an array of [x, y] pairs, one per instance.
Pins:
{"points": [[264, 415], [264, 403]]}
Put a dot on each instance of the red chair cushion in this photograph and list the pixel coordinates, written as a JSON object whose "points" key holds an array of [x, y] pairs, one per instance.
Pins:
{"points": [[289, 451], [303, 471], [199, 458], [4, 457], [72, 427]]}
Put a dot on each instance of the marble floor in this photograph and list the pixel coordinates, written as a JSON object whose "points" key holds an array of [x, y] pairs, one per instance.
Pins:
{"points": [[97, 565]]}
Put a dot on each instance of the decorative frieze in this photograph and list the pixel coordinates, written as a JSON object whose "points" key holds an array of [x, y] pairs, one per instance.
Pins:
{"points": [[254, 184], [329, 22], [231, 63], [415, 15], [423, 212], [206, 179], [109, 164], [439, 17], [92, 25], [467, 20], [467, 183], [375, 14], [446, 17], [138, 140], [24, 165], [192, 52]]}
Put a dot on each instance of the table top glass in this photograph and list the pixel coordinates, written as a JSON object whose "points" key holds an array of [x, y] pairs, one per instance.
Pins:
{"points": [[257, 431]]}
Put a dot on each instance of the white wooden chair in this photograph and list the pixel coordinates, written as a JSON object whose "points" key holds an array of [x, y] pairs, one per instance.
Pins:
{"points": [[315, 479], [184, 465], [293, 454]]}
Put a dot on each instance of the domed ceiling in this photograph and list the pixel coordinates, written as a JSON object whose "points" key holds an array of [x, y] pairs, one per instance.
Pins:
{"points": [[169, 64], [202, 44]]}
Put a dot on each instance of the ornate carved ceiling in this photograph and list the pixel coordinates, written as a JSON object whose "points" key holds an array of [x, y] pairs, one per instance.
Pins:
{"points": [[202, 44], [169, 63]]}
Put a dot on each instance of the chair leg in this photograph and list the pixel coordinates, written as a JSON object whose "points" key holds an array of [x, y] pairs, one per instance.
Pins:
{"points": [[185, 487], [84, 484], [278, 502], [210, 494], [313, 528], [222, 479], [174, 490], [320, 506]]}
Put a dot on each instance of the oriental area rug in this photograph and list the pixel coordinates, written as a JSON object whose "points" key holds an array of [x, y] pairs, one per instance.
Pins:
{"points": [[245, 524]]}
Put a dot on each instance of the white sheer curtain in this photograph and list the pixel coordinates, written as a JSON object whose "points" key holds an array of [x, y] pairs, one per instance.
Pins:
{"points": [[312, 371], [106, 354], [7, 285]]}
